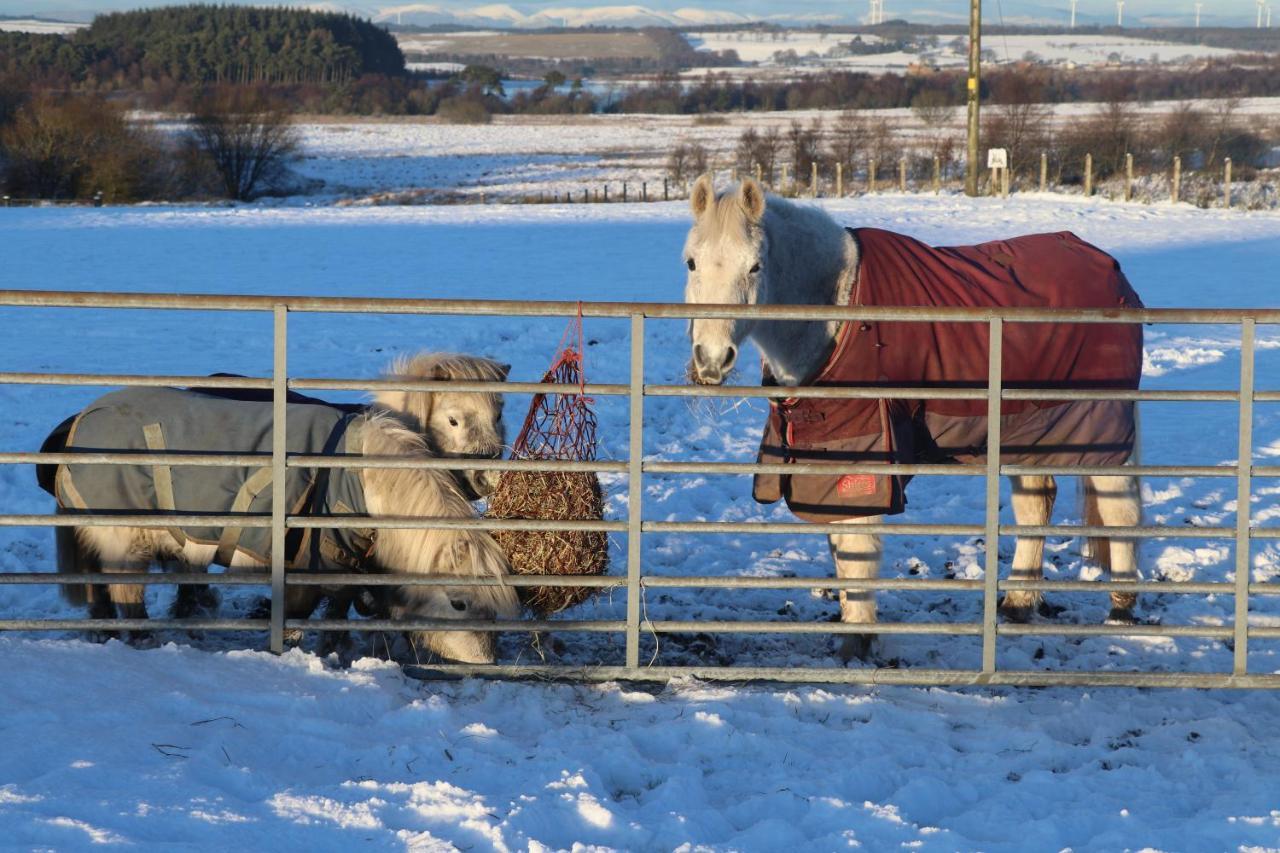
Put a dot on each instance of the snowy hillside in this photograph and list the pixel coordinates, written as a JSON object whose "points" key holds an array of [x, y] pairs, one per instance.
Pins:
{"points": [[204, 745]]}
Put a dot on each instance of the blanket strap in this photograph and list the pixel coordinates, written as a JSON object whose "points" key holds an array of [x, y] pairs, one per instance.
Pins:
{"points": [[230, 538], [162, 478]]}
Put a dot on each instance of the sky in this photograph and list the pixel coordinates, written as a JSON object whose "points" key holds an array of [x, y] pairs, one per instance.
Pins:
{"points": [[1137, 12]]}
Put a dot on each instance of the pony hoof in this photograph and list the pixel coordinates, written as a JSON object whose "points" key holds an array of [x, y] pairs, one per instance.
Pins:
{"points": [[293, 637], [1121, 616], [1020, 614], [1049, 611], [143, 640], [856, 647], [334, 643]]}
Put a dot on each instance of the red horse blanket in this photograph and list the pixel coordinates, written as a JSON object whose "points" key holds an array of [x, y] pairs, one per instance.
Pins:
{"points": [[1043, 270]]}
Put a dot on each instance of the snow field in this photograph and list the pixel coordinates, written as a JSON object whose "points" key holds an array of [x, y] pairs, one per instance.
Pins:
{"points": [[373, 759]]}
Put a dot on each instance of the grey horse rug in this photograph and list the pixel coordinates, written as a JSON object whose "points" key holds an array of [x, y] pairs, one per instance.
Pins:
{"points": [[1043, 270], [168, 420]]}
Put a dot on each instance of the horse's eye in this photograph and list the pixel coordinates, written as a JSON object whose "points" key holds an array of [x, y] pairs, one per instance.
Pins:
{"points": [[460, 606], [755, 268], [691, 265], [453, 421]]}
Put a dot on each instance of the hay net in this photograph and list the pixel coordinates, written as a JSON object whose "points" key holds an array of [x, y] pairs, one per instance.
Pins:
{"points": [[561, 425]]}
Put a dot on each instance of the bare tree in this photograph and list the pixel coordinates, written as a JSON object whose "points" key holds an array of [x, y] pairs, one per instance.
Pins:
{"points": [[849, 137], [805, 151], [759, 150], [1019, 120], [686, 161], [249, 140]]}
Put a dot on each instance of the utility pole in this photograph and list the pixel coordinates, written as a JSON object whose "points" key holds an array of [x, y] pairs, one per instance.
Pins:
{"points": [[975, 61], [1074, 4]]}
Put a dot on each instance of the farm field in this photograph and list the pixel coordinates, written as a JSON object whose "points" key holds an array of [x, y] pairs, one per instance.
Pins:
{"points": [[204, 743], [812, 49], [533, 45], [420, 159]]}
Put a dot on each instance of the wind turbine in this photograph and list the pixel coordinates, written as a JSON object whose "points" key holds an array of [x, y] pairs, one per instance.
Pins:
{"points": [[1261, 3], [1119, 13], [1074, 4], [1199, 6]]}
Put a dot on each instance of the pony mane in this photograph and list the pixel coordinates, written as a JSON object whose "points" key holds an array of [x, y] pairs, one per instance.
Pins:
{"points": [[414, 407], [427, 493]]}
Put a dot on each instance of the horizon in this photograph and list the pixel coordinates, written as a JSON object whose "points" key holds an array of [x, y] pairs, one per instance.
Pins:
{"points": [[1137, 13]]}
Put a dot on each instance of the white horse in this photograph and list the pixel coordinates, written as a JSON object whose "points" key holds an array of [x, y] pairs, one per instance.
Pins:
{"points": [[746, 249], [412, 424]]}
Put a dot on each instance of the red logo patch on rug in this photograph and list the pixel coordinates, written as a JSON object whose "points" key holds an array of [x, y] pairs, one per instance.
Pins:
{"points": [[856, 485]]}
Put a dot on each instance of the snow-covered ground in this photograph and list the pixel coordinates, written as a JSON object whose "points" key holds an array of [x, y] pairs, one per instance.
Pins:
{"points": [[206, 744], [33, 25], [820, 51], [515, 156]]}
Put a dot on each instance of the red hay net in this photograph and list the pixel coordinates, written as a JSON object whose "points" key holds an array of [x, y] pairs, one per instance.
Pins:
{"points": [[561, 425]]}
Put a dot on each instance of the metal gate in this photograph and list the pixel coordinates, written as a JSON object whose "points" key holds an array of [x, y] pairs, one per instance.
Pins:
{"points": [[634, 527]]}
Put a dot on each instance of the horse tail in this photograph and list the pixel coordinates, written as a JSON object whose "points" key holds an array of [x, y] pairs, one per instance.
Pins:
{"points": [[73, 559]]}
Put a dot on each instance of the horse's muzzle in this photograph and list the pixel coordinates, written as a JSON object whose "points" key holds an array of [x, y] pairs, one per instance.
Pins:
{"points": [[712, 366]]}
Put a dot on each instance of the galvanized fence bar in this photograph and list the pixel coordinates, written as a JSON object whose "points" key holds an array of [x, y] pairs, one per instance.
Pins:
{"points": [[279, 448], [990, 593], [635, 493], [1244, 493], [624, 310]]}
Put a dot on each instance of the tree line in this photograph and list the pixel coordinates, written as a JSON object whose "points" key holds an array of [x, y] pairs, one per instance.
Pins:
{"points": [[201, 44]]}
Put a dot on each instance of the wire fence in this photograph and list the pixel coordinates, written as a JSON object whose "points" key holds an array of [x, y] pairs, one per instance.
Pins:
{"points": [[636, 581]]}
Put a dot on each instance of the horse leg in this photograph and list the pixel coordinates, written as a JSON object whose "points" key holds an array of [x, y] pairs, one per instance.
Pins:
{"points": [[857, 556], [337, 606], [1033, 497], [125, 550], [1116, 502]]}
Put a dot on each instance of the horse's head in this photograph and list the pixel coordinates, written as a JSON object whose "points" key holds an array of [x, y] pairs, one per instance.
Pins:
{"points": [[725, 253], [468, 554], [463, 425]]}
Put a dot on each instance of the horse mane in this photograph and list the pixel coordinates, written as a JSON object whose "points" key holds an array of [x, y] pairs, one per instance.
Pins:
{"points": [[414, 407], [427, 493]]}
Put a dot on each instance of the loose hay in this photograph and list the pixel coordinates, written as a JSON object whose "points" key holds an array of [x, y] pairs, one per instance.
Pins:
{"points": [[553, 496], [559, 426]]}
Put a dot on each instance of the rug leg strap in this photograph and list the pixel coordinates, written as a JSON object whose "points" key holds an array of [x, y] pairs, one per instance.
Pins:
{"points": [[230, 538], [162, 478]]}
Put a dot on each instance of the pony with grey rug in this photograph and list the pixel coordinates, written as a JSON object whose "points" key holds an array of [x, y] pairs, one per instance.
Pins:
{"points": [[746, 248], [412, 424]]}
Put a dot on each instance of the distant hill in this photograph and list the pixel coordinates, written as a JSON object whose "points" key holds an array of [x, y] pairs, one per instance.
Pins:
{"points": [[209, 44]]}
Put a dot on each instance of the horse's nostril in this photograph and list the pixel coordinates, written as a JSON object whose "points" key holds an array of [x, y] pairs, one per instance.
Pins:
{"points": [[730, 356], [697, 355]]}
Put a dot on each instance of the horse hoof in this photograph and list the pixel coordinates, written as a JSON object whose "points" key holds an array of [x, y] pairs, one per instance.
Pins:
{"points": [[1121, 616], [1021, 615], [334, 642], [856, 647], [143, 640], [293, 637], [1049, 611]]}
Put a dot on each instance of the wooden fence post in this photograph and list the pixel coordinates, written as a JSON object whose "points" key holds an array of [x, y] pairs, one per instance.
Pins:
{"points": [[902, 175], [624, 191], [871, 175], [813, 179], [759, 173], [606, 194], [1176, 195], [666, 190], [1004, 182], [1044, 172], [1088, 175], [644, 190], [937, 175], [786, 169], [839, 180], [1226, 185], [1128, 177]]}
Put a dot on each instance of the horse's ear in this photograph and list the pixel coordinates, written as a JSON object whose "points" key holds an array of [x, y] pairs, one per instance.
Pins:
{"points": [[704, 193], [751, 197], [505, 370]]}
